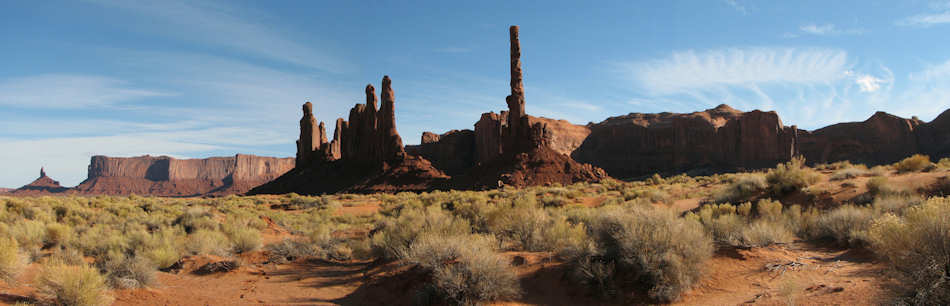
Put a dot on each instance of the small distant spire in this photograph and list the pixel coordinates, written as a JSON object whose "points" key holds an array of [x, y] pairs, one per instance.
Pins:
{"points": [[42, 172]]}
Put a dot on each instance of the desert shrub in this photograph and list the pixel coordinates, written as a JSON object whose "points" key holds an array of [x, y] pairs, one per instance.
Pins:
{"points": [[128, 272], [879, 170], [163, 256], [744, 188], [846, 225], [915, 163], [196, 218], [790, 177], [30, 234], [917, 246], [245, 240], [768, 209], [465, 269], [12, 261], [849, 173], [879, 186], [726, 229], [764, 232], [395, 235], [649, 247], [207, 242], [58, 234], [289, 250], [894, 202], [944, 163], [61, 284]]}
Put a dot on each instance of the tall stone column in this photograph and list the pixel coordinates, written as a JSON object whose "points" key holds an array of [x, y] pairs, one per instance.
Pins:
{"points": [[309, 139], [391, 144], [516, 99]]}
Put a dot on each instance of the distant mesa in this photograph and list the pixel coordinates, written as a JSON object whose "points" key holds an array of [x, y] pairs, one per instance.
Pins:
{"points": [[166, 176]]}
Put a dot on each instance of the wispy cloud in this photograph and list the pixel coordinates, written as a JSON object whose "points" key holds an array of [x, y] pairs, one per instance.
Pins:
{"points": [[810, 87], [64, 91], [738, 67], [926, 20], [219, 24], [737, 6], [828, 29]]}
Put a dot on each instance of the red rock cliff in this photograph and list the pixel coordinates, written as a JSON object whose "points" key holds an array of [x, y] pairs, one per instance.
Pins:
{"points": [[166, 176]]}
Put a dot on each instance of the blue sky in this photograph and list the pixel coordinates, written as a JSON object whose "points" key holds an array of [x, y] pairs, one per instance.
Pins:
{"points": [[209, 78]]}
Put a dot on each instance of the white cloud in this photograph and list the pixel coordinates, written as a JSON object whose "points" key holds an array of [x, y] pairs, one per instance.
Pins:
{"points": [[925, 20], [690, 70], [63, 91], [869, 83], [215, 23], [827, 29]]}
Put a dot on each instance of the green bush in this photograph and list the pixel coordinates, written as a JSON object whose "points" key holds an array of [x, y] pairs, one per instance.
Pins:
{"points": [[915, 163], [790, 177], [12, 261], [61, 284], [650, 247], [917, 246]]}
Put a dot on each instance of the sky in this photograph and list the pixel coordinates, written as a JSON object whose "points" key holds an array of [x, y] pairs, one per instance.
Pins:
{"points": [[195, 79]]}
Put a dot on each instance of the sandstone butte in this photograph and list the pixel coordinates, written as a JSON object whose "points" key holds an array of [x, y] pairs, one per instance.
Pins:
{"points": [[166, 176]]}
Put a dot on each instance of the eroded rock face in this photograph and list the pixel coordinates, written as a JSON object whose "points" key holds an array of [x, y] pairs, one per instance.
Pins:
{"points": [[166, 176], [882, 138], [716, 139], [452, 152], [365, 155]]}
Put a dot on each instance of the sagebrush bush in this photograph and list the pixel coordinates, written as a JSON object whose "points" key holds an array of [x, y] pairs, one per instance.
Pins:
{"points": [[163, 256], [894, 202], [61, 284], [465, 268], [395, 236], [649, 247], [917, 246], [12, 261], [58, 234], [289, 250], [743, 188], [245, 240], [790, 177], [207, 242], [128, 272], [764, 232], [846, 225], [915, 163]]}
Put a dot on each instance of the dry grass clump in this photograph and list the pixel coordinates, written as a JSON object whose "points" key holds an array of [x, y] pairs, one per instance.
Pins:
{"points": [[915, 163], [737, 226], [743, 188], [61, 284], [651, 248], [12, 261], [790, 177], [465, 269], [850, 173], [128, 272], [207, 242], [918, 247], [846, 225], [395, 236]]}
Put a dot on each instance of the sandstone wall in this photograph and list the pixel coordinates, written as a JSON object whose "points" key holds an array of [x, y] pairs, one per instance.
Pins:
{"points": [[715, 139], [166, 176]]}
